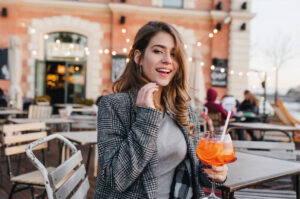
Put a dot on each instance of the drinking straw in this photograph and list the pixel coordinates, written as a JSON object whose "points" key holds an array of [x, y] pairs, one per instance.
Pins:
{"points": [[226, 125]]}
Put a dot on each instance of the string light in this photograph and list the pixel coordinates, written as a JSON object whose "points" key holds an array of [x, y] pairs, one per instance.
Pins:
{"points": [[127, 60], [106, 51], [222, 70], [57, 41], [240, 73], [212, 67], [46, 36], [71, 45], [123, 30], [34, 52], [199, 43], [210, 35], [232, 72], [127, 40], [86, 49], [124, 50], [190, 59], [202, 63], [215, 31], [113, 53], [100, 51], [32, 31], [185, 46], [76, 58]]}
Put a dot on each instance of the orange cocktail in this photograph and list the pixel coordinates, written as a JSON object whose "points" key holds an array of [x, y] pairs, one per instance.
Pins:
{"points": [[215, 152]]}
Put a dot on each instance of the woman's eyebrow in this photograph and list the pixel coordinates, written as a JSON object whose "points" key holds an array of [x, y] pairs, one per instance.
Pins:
{"points": [[160, 46]]}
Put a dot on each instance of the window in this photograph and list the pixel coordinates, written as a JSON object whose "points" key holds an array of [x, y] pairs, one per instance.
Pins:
{"points": [[4, 72], [173, 3], [118, 66], [66, 46]]}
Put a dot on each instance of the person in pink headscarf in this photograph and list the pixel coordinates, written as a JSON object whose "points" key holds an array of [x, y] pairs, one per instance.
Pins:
{"points": [[212, 106]]}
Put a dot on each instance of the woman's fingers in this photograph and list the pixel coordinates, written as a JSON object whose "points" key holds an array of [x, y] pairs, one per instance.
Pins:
{"points": [[217, 173], [145, 95]]}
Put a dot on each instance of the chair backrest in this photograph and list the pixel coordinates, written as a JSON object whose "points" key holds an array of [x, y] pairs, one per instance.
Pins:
{"points": [[84, 122], [280, 150], [216, 119], [287, 114], [16, 136], [39, 111], [202, 120], [280, 114], [68, 180]]}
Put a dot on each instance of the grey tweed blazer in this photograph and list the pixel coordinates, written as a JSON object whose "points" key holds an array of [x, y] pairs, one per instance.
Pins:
{"points": [[127, 149]]}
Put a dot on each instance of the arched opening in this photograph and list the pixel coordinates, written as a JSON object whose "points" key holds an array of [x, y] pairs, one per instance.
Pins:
{"points": [[62, 74]]}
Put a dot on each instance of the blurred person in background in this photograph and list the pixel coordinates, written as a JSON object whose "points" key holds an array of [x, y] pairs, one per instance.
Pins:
{"points": [[214, 107], [249, 108]]}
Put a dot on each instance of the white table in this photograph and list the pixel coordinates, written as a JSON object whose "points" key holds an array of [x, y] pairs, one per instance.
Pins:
{"points": [[11, 112], [83, 138], [45, 120], [71, 105], [264, 127]]}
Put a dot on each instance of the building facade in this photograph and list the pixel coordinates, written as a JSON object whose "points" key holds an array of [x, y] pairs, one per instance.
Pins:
{"points": [[76, 49]]}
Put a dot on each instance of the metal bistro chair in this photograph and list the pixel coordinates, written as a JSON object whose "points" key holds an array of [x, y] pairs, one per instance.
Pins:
{"points": [[15, 138], [68, 180], [216, 120], [39, 111], [202, 121]]}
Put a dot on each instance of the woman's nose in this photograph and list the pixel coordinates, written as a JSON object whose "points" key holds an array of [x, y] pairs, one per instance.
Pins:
{"points": [[167, 58]]}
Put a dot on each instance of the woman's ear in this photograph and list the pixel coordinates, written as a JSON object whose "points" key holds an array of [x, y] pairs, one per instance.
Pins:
{"points": [[137, 57]]}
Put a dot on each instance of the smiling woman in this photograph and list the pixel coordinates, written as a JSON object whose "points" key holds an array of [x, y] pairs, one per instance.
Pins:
{"points": [[158, 63], [145, 147]]}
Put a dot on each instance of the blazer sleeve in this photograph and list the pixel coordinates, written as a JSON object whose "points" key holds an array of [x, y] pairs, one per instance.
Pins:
{"points": [[123, 154]]}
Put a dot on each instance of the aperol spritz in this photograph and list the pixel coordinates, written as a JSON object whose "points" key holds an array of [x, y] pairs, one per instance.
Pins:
{"points": [[215, 149]]}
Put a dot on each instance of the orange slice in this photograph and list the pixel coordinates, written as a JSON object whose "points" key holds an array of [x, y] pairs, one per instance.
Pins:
{"points": [[207, 151]]}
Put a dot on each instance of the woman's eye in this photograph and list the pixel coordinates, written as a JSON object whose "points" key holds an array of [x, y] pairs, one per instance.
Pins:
{"points": [[173, 54], [157, 51]]}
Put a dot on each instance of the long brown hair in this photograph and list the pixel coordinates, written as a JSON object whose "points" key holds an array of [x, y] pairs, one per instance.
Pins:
{"points": [[252, 98], [174, 95]]}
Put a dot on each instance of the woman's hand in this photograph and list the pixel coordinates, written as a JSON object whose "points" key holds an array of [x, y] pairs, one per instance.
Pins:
{"points": [[145, 95], [217, 174]]}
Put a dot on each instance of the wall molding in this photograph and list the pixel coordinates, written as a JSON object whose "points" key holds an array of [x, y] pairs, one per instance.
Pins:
{"points": [[67, 23]]}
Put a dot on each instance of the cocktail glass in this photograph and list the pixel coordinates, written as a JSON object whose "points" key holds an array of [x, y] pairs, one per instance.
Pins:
{"points": [[215, 150]]}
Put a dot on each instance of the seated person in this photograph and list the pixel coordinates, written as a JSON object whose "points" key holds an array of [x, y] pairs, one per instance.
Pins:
{"points": [[214, 107], [249, 105]]}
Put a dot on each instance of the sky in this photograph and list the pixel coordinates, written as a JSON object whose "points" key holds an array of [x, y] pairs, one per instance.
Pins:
{"points": [[273, 18]]}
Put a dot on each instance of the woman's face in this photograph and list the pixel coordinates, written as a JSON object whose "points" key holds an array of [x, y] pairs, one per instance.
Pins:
{"points": [[159, 64]]}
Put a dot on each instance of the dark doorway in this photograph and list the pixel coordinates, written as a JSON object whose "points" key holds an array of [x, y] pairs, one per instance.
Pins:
{"points": [[63, 81]]}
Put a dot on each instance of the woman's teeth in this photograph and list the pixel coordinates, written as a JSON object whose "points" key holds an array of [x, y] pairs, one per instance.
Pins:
{"points": [[164, 70]]}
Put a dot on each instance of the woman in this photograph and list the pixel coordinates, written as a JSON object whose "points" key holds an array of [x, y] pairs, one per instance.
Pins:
{"points": [[249, 105], [144, 142]]}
